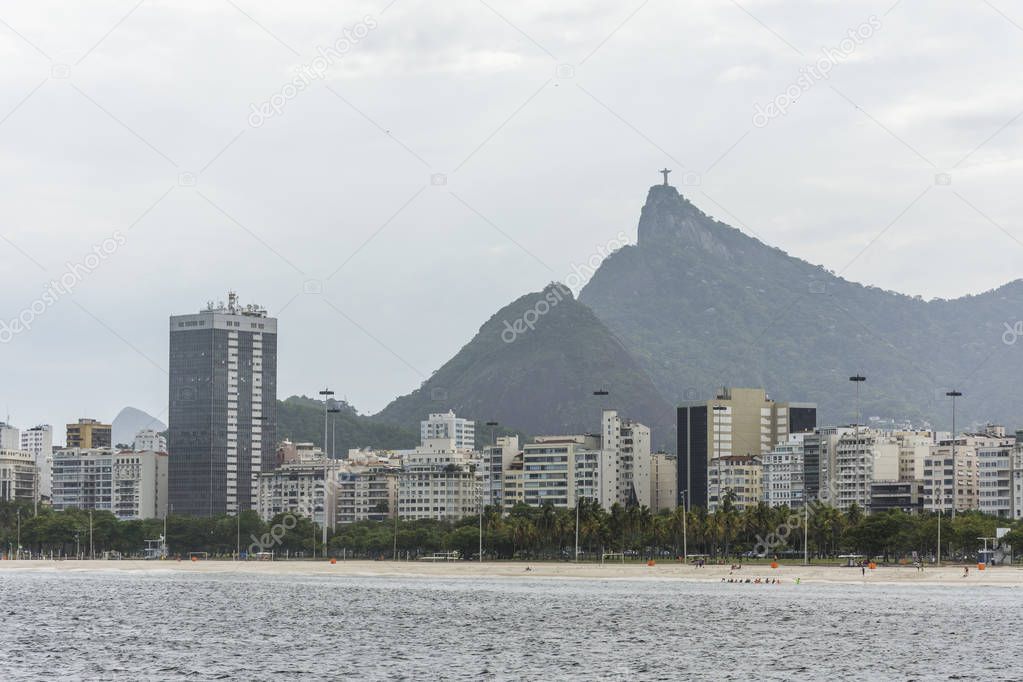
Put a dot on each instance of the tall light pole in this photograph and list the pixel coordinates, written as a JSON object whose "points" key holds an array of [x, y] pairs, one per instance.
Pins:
{"points": [[326, 393], [953, 394], [859, 379], [18, 554], [490, 473]]}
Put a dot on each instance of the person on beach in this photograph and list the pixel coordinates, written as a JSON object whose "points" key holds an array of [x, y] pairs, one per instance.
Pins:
{"points": [[863, 570], [966, 571]]}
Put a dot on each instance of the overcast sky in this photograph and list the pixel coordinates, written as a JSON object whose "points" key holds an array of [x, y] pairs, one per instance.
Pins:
{"points": [[137, 128]]}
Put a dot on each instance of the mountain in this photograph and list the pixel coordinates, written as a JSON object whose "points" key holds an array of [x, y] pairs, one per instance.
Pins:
{"points": [[701, 305], [533, 367], [129, 422], [300, 419]]}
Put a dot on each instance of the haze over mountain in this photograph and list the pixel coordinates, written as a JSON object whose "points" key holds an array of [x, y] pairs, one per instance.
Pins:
{"points": [[700, 305], [540, 380]]}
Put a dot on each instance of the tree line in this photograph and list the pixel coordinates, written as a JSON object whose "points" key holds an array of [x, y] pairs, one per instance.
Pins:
{"points": [[525, 533]]}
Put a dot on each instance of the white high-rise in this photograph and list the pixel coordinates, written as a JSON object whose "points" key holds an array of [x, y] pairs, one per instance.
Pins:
{"points": [[149, 439], [9, 437], [783, 473], [38, 441], [448, 425], [628, 446]]}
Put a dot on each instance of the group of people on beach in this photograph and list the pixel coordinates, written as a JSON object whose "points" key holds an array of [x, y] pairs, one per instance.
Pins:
{"points": [[754, 581]]}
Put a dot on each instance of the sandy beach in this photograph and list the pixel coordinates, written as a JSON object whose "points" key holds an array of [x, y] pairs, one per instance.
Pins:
{"points": [[788, 574]]}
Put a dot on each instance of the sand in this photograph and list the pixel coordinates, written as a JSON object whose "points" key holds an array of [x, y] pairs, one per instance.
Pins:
{"points": [[787, 573]]}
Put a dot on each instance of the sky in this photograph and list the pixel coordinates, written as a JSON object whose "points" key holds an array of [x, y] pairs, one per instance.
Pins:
{"points": [[384, 176]]}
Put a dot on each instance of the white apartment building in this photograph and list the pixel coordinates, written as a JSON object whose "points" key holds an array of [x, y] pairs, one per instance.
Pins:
{"points": [[1017, 481], [297, 487], [150, 439], [10, 438], [496, 460], [863, 457], [442, 425], [38, 441], [559, 470], [627, 444], [914, 448], [131, 485], [439, 481], [783, 473], [19, 477], [366, 487], [663, 482], [952, 473]]}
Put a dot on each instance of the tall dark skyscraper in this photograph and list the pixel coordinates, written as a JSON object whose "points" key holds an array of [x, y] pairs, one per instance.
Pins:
{"points": [[223, 407]]}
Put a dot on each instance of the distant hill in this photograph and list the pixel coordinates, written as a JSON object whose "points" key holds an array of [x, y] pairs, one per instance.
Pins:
{"points": [[129, 422], [700, 305], [300, 419], [540, 380]]}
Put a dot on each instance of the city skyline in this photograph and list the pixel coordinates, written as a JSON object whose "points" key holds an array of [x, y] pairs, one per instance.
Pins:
{"points": [[523, 217]]}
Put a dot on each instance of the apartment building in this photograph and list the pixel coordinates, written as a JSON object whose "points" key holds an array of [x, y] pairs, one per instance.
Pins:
{"points": [[445, 425], [150, 439], [366, 488], [439, 481], [131, 485], [496, 460], [19, 477], [738, 475], [663, 482], [627, 444], [297, 487], [783, 473], [861, 458], [38, 441], [89, 434]]}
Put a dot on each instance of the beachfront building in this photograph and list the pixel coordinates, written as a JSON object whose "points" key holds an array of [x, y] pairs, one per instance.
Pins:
{"points": [[19, 477], [663, 482], [627, 444], [740, 476], [496, 460], [439, 481], [1017, 478], [861, 458], [447, 425], [297, 487], [366, 487], [783, 473], [952, 471], [512, 490], [131, 485], [995, 462], [560, 470]]}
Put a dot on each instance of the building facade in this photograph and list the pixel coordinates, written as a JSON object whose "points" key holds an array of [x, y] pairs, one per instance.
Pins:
{"points": [[131, 485], [38, 441], [783, 473], [739, 421], [663, 482], [10, 438], [439, 481], [628, 445], [89, 434], [222, 407], [297, 487], [149, 439], [497, 459], [19, 477], [862, 458], [447, 425], [737, 476]]}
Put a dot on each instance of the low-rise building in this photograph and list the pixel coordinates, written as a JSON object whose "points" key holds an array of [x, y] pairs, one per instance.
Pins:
{"points": [[89, 434], [906, 496], [150, 439]]}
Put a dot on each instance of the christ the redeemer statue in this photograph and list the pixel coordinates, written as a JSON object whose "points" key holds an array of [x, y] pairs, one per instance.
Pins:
{"points": [[664, 172]]}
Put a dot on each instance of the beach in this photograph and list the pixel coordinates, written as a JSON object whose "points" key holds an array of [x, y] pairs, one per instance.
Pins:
{"points": [[786, 573]]}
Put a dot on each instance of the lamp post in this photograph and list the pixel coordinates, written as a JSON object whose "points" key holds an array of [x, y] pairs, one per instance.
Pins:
{"points": [[326, 393], [953, 394], [18, 555]]}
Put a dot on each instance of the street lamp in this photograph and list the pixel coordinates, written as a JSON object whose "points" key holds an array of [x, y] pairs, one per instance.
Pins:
{"points": [[953, 394], [326, 393]]}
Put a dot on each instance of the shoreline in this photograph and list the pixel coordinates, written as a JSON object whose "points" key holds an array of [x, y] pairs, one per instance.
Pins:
{"points": [[946, 576]]}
